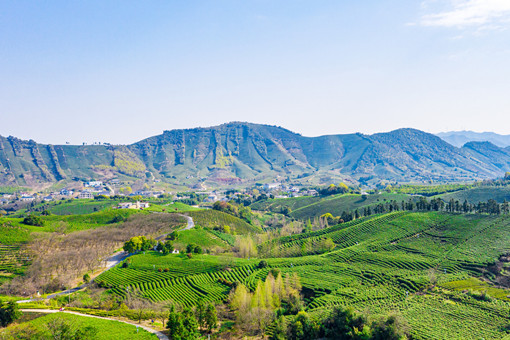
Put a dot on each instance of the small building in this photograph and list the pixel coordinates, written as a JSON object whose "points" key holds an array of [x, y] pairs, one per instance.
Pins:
{"points": [[137, 205], [175, 251], [271, 186], [94, 184], [48, 198], [211, 198], [85, 195], [27, 198], [65, 192]]}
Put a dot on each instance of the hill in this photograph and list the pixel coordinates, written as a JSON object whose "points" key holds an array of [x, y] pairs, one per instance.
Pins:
{"points": [[479, 194], [459, 138], [426, 266], [236, 153]]}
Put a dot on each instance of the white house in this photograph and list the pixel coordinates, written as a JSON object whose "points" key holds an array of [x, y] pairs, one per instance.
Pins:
{"points": [[271, 186], [137, 205], [27, 198], [94, 184], [65, 192], [48, 198], [85, 195]]}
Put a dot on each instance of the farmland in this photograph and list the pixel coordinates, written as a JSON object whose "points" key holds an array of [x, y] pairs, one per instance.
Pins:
{"points": [[382, 264], [102, 329], [403, 262], [310, 207]]}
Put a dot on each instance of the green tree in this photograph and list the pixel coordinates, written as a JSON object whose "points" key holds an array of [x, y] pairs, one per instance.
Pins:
{"points": [[175, 325], [211, 318], [190, 324], [86, 278], [134, 244], [201, 313], [33, 220], [9, 313]]}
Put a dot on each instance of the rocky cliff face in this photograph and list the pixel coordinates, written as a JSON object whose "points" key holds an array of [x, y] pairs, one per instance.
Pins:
{"points": [[237, 152]]}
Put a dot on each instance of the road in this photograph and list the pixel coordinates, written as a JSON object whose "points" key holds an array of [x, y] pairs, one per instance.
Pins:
{"points": [[159, 334], [111, 262]]}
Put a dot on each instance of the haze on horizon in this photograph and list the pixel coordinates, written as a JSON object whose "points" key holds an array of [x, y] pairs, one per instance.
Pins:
{"points": [[120, 72]]}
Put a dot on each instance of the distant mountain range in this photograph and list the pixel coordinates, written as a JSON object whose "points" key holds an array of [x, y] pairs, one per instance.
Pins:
{"points": [[244, 153], [459, 138]]}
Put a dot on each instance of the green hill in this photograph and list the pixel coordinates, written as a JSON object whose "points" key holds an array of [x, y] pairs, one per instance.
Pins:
{"points": [[479, 194], [238, 152], [213, 218], [310, 207]]}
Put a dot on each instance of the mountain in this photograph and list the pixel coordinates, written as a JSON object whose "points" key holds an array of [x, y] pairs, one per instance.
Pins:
{"points": [[459, 138], [236, 153]]}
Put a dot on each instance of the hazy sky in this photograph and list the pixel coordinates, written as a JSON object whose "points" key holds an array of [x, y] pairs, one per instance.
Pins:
{"points": [[120, 71]]}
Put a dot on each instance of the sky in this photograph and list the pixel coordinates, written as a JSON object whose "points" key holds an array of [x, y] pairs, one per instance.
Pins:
{"points": [[121, 71]]}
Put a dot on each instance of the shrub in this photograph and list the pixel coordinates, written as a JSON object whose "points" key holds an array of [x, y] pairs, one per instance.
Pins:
{"points": [[262, 264], [33, 220]]}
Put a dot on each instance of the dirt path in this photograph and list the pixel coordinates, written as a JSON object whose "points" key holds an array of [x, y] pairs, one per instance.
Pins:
{"points": [[159, 334]]}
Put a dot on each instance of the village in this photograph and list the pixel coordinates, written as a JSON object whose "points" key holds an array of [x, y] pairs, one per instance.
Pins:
{"points": [[98, 190]]}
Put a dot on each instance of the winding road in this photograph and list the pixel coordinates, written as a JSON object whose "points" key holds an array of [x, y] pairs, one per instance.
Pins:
{"points": [[159, 334]]}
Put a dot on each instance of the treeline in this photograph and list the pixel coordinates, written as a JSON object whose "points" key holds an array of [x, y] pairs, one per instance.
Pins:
{"points": [[423, 204], [341, 324], [433, 190]]}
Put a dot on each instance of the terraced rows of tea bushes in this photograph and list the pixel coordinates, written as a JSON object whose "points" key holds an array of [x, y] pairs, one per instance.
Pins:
{"points": [[344, 235], [382, 264], [13, 260], [214, 218]]}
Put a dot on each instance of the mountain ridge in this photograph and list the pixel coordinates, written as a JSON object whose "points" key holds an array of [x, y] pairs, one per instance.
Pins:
{"points": [[459, 138], [239, 152]]}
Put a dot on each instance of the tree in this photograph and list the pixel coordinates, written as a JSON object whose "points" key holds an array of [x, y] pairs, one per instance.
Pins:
{"points": [[86, 278], [393, 327], [9, 313], [211, 318], [201, 309], [33, 220], [175, 325], [190, 324], [134, 244]]}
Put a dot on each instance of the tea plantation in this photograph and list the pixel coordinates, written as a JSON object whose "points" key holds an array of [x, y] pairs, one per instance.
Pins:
{"points": [[417, 264]]}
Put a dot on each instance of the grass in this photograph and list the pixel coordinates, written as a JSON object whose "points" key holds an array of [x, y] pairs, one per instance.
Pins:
{"points": [[335, 205], [200, 237], [310, 207], [479, 194], [106, 329], [214, 218], [176, 207], [80, 207]]}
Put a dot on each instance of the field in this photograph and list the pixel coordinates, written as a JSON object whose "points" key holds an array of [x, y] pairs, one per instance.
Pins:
{"points": [[381, 264], [479, 194], [213, 218], [310, 207], [106, 329]]}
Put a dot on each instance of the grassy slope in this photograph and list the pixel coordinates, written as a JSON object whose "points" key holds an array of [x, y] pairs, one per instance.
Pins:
{"points": [[213, 218], [481, 194], [338, 204], [106, 329], [200, 237]]}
